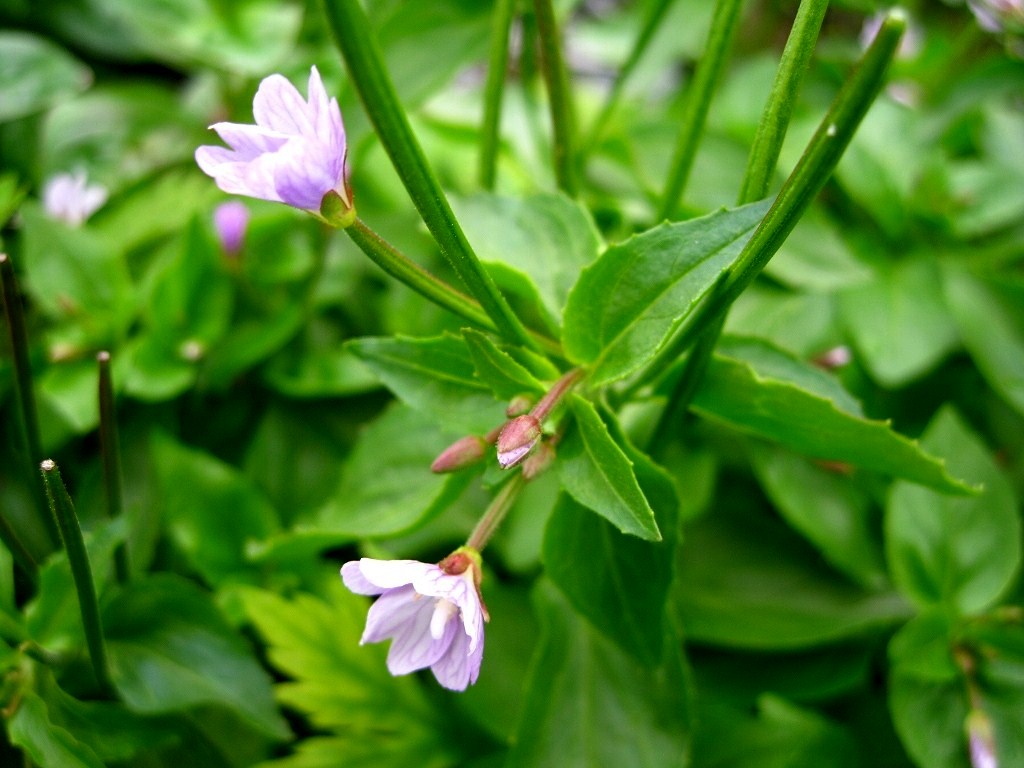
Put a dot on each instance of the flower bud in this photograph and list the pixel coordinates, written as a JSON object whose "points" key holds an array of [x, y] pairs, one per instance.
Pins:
{"points": [[231, 219], [539, 461], [981, 741], [517, 439], [461, 454]]}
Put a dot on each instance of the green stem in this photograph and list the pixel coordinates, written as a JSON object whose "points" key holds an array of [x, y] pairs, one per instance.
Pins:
{"points": [[559, 98], [432, 288], [358, 46], [494, 90], [111, 459], [812, 171], [24, 394], [655, 14], [764, 155], [495, 513], [698, 100], [74, 544]]}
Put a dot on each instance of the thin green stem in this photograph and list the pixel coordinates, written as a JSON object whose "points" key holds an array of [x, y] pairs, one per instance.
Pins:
{"points": [[431, 287], [358, 47], [656, 13], [74, 544], [497, 68], [812, 171], [764, 155], [495, 513], [24, 394], [698, 101], [111, 456], [560, 100], [771, 131]]}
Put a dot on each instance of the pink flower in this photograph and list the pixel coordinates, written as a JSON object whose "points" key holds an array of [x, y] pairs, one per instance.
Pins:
{"points": [[71, 199], [432, 613], [231, 219], [295, 153]]}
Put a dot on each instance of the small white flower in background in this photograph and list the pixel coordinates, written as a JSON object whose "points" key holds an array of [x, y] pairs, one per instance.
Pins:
{"points": [[999, 16], [432, 613], [230, 220], [69, 197], [294, 154]]}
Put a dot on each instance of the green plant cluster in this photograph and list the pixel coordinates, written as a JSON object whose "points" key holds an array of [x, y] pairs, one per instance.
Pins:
{"points": [[783, 523]]}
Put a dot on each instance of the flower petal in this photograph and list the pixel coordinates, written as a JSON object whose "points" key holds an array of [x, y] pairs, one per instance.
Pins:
{"points": [[388, 574], [279, 106], [249, 141], [392, 609], [253, 178], [460, 666], [304, 173], [353, 578]]}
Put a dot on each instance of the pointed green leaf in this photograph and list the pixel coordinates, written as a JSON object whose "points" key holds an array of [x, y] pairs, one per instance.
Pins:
{"points": [[588, 703], [596, 472], [498, 369], [627, 304], [761, 390], [35, 74], [958, 552], [620, 583], [43, 742], [435, 376]]}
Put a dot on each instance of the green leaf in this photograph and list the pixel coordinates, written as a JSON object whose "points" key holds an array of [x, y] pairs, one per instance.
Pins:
{"points": [[626, 305], [44, 743], [344, 687], [963, 552], [596, 472], [588, 703], [549, 238], [763, 391], [435, 376], [746, 581], [211, 511], [987, 312], [829, 509], [496, 368], [815, 257], [171, 649], [619, 583], [899, 322], [35, 74], [387, 486]]}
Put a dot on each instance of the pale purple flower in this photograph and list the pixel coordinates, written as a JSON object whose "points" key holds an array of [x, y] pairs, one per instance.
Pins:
{"points": [[980, 740], [295, 153], [231, 219], [432, 613], [71, 199]]}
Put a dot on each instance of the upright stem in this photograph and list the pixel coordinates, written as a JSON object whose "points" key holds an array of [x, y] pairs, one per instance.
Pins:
{"points": [[358, 46], [812, 171], [111, 456], [557, 80], [18, 551], [764, 155], [24, 394], [495, 513], [656, 13], [698, 100], [78, 558], [496, 72]]}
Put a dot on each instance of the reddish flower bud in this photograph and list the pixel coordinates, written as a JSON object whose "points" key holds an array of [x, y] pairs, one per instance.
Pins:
{"points": [[517, 439], [460, 454]]}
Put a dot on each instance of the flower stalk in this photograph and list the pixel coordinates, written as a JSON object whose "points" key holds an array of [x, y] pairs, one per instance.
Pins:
{"points": [[24, 394], [501, 23], [358, 46], [701, 89], [111, 459], [560, 99], [78, 558], [495, 513]]}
